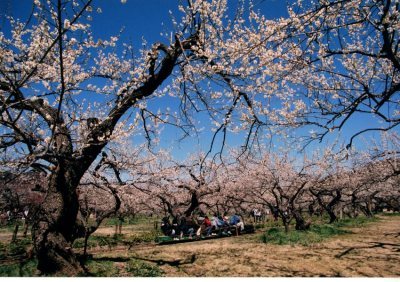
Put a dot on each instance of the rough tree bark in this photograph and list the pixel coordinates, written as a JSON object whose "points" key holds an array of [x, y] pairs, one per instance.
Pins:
{"points": [[330, 206], [301, 224], [53, 231]]}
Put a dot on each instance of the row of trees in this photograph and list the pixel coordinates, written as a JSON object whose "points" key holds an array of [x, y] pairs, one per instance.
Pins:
{"points": [[349, 183], [66, 100], [346, 183]]}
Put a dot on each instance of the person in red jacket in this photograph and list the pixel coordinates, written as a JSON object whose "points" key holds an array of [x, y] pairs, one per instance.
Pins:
{"points": [[206, 226]]}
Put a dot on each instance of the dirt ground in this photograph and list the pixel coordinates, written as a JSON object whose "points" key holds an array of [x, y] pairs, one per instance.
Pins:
{"points": [[370, 251]]}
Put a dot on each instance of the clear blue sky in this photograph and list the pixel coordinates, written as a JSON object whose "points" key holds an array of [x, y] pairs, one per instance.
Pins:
{"points": [[147, 19], [140, 18]]}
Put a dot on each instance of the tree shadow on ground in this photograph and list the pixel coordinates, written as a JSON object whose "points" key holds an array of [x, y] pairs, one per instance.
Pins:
{"points": [[176, 262], [396, 234], [372, 245], [113, 259]]}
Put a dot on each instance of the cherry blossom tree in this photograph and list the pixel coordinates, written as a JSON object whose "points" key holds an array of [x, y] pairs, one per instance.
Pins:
{"points": [[351, 181], [374, 174], [346, 54], [52, 63], [20, 197], [178, 187]]}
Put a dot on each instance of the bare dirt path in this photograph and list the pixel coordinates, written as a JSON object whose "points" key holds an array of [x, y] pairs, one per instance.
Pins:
{"points": [[370, 251]]}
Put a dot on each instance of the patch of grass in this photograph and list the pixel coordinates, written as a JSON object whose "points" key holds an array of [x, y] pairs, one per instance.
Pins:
{"points": [[134, 267], [16, 248], [5, 229], [354, 222], [144, 237], [120, 239], [326, 230], [98, 241], [102, 268], [15, 255], [391, 213], [20, 269], [315, 234], [10, 226], [141, 269], [278, 236], [79, 243], [260, 226]]}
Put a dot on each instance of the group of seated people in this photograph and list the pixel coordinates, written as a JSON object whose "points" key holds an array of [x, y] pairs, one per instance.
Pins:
{"points": [[201, 225]]}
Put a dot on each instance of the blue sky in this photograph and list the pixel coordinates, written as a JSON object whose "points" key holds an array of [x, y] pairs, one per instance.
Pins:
{"points": [[139, 18], [147, 19]]}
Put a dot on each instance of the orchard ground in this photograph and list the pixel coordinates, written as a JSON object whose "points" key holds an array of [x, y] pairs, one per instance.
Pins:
{"points": [[366, 248]]}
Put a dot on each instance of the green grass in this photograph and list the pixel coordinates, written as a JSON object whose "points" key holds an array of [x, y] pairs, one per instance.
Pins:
{"points": [[10, 226], [97, 241], [391, 214], [132, 267], [354, 222], [139, 268], [14, 254], [316, 233], [102, 268], [326, 230], [121, 239], [144, 237], [19, 269], [260, 225], [16, 248]]}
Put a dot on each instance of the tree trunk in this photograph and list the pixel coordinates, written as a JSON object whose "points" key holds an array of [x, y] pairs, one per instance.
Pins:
{"points": [[369, 204], [300, 222], [15, 233], [26, 227], [87, 235], [286, 225], [53, 231], [120, 227], [194, 204], [285, 221], [311, 209], [332, 216], [331, 206]]}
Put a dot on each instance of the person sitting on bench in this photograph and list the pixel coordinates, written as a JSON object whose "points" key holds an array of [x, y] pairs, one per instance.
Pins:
{"points": [[236, 222], [206, 226], [166, 226]]}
